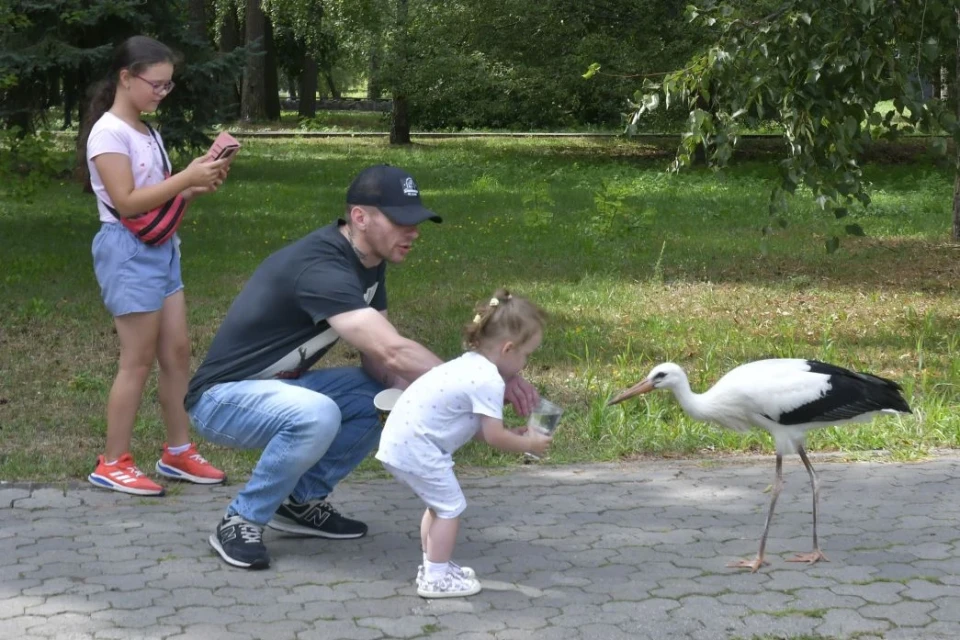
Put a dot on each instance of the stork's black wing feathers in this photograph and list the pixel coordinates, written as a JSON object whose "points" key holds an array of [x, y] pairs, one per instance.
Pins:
{"points": [[851, 394]]}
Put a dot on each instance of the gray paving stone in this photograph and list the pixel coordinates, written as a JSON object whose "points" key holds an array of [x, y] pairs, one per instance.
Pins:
{"points": [[67, 623], [708, 610], [387, 608], [948, 610], [135, 618], [18, 626], [402, 627], [186, 616], [605, 632], [577, 616], [686, 587], [155, 633], [187, 597], [57, 605], [340, 630], [206, 632], [902, 571], [764, 602], [941, 631], [790, 625], [47, 499], [876, 592], [16, 606], [464, 622], [272, 629], [927, 590], [824, 599], [902, 614], [926, 633], [9, 495], [844, 623], [632, 550]]}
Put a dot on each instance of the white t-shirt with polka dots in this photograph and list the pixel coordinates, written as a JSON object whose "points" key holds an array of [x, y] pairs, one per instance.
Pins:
{"points": [[440, 412], [110, 134]]}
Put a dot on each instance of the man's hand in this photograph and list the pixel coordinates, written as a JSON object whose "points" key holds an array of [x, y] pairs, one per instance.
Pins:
{"points": [[522, 395]]}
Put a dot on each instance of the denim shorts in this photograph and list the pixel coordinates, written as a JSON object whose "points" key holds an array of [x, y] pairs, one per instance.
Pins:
{"points": [[134, 277]]}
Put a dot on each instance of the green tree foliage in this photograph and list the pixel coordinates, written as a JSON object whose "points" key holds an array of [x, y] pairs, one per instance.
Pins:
{"points": [[818, 70], [46, 45], [514, 64]]}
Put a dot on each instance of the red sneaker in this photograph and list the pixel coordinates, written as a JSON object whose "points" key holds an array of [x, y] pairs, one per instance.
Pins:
{"points": [[189, 466], [124, 476]]}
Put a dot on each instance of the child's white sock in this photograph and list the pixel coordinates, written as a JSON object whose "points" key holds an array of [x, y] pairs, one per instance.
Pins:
{"points": [[175, 451], [433, 571]]}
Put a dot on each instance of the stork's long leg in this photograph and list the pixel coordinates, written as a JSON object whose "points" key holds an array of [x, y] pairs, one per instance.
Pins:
{"points": [[757, 562], [816, 554]]}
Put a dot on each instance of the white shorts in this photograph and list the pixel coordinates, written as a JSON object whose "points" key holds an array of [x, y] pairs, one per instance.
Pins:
{"points": [[440, 491]]}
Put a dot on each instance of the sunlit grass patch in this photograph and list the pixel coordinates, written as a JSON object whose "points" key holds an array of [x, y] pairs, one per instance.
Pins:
{"points": [[635, 267]]}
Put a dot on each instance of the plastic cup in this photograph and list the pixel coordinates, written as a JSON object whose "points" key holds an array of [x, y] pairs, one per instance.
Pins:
{"points": [[386, 399], [545, 417]]}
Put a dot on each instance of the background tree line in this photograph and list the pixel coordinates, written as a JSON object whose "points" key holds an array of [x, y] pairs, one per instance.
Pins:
{"points": [[446, 64], [817, 71]]}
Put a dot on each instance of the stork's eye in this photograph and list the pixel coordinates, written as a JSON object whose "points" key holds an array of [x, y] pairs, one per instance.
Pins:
{"points": [[660, 376]]}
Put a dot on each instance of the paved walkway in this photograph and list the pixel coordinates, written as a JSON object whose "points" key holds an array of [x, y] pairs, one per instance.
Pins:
{"points": [[610, 551]]}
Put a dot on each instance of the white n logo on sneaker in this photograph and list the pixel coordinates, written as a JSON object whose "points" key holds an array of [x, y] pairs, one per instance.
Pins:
{"points": [[316, 516]]}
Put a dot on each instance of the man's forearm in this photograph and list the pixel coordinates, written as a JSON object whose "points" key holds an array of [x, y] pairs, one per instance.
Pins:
{"points": [[401, 364], [378, 372]]}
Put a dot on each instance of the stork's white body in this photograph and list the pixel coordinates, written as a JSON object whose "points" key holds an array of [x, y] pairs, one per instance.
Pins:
{"points": [[758, 393], [787, 397]]}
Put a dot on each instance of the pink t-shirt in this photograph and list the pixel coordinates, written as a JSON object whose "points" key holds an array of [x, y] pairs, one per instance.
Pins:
{"points": [[110, 134]]}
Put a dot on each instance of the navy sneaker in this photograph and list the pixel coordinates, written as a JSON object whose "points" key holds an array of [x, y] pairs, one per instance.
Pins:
{"points": [[240, 543], [315, 518]]}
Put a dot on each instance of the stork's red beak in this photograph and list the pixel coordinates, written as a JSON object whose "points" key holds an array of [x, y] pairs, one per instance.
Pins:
{"points": [[640, 388]]}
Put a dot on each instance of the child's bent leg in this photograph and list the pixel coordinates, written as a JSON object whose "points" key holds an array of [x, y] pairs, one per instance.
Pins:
{"points": [[441, 538], [425, 522]]}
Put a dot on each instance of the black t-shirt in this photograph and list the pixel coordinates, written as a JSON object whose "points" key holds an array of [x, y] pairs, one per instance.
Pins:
{"points": [[277, 327]]}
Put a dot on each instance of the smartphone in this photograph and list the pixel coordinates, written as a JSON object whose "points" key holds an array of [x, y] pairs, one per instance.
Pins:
{"points": [[225, 146]]}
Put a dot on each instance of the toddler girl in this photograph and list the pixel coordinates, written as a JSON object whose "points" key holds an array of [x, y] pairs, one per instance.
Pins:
{"points": [[441, 411]]}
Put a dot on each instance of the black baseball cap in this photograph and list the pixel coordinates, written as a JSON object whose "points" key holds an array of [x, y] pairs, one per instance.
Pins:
{"points": [[391, 190]]}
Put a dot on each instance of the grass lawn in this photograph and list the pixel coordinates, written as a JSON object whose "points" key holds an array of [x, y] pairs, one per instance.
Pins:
{"points": [[634, 265]]}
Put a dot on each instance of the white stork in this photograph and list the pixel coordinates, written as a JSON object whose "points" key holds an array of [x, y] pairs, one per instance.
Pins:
{"points": [[787, 397]]}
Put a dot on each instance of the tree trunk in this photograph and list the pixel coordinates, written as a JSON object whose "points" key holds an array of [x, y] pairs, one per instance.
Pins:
{"points": [[331, 83], [229, 40], [308, 88], [374, 88], [399, 121], [400, 118], [271, 75], [197, 11], [229, 32], [253, 93], [293, 85], [71, 94], [956, 143]]}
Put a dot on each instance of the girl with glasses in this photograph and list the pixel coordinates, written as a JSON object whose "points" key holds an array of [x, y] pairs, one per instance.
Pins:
{"points": [[129, 172]]}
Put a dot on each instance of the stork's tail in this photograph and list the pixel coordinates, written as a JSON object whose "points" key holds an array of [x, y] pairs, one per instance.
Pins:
{"points": [[887, 393]]}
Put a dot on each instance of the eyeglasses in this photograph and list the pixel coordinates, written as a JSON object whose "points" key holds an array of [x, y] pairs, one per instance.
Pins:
{"points": [[159, 87]]}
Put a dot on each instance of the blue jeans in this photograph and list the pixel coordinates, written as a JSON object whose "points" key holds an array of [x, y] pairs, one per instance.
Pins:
{"points": [[313, 431]]}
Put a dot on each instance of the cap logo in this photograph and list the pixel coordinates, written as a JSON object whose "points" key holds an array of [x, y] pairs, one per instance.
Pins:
{"points": [[410, 187]]}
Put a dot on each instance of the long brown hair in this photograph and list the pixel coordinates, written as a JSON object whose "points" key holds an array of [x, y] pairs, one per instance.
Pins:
{"points": [[134, 54], [504, 315]]}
